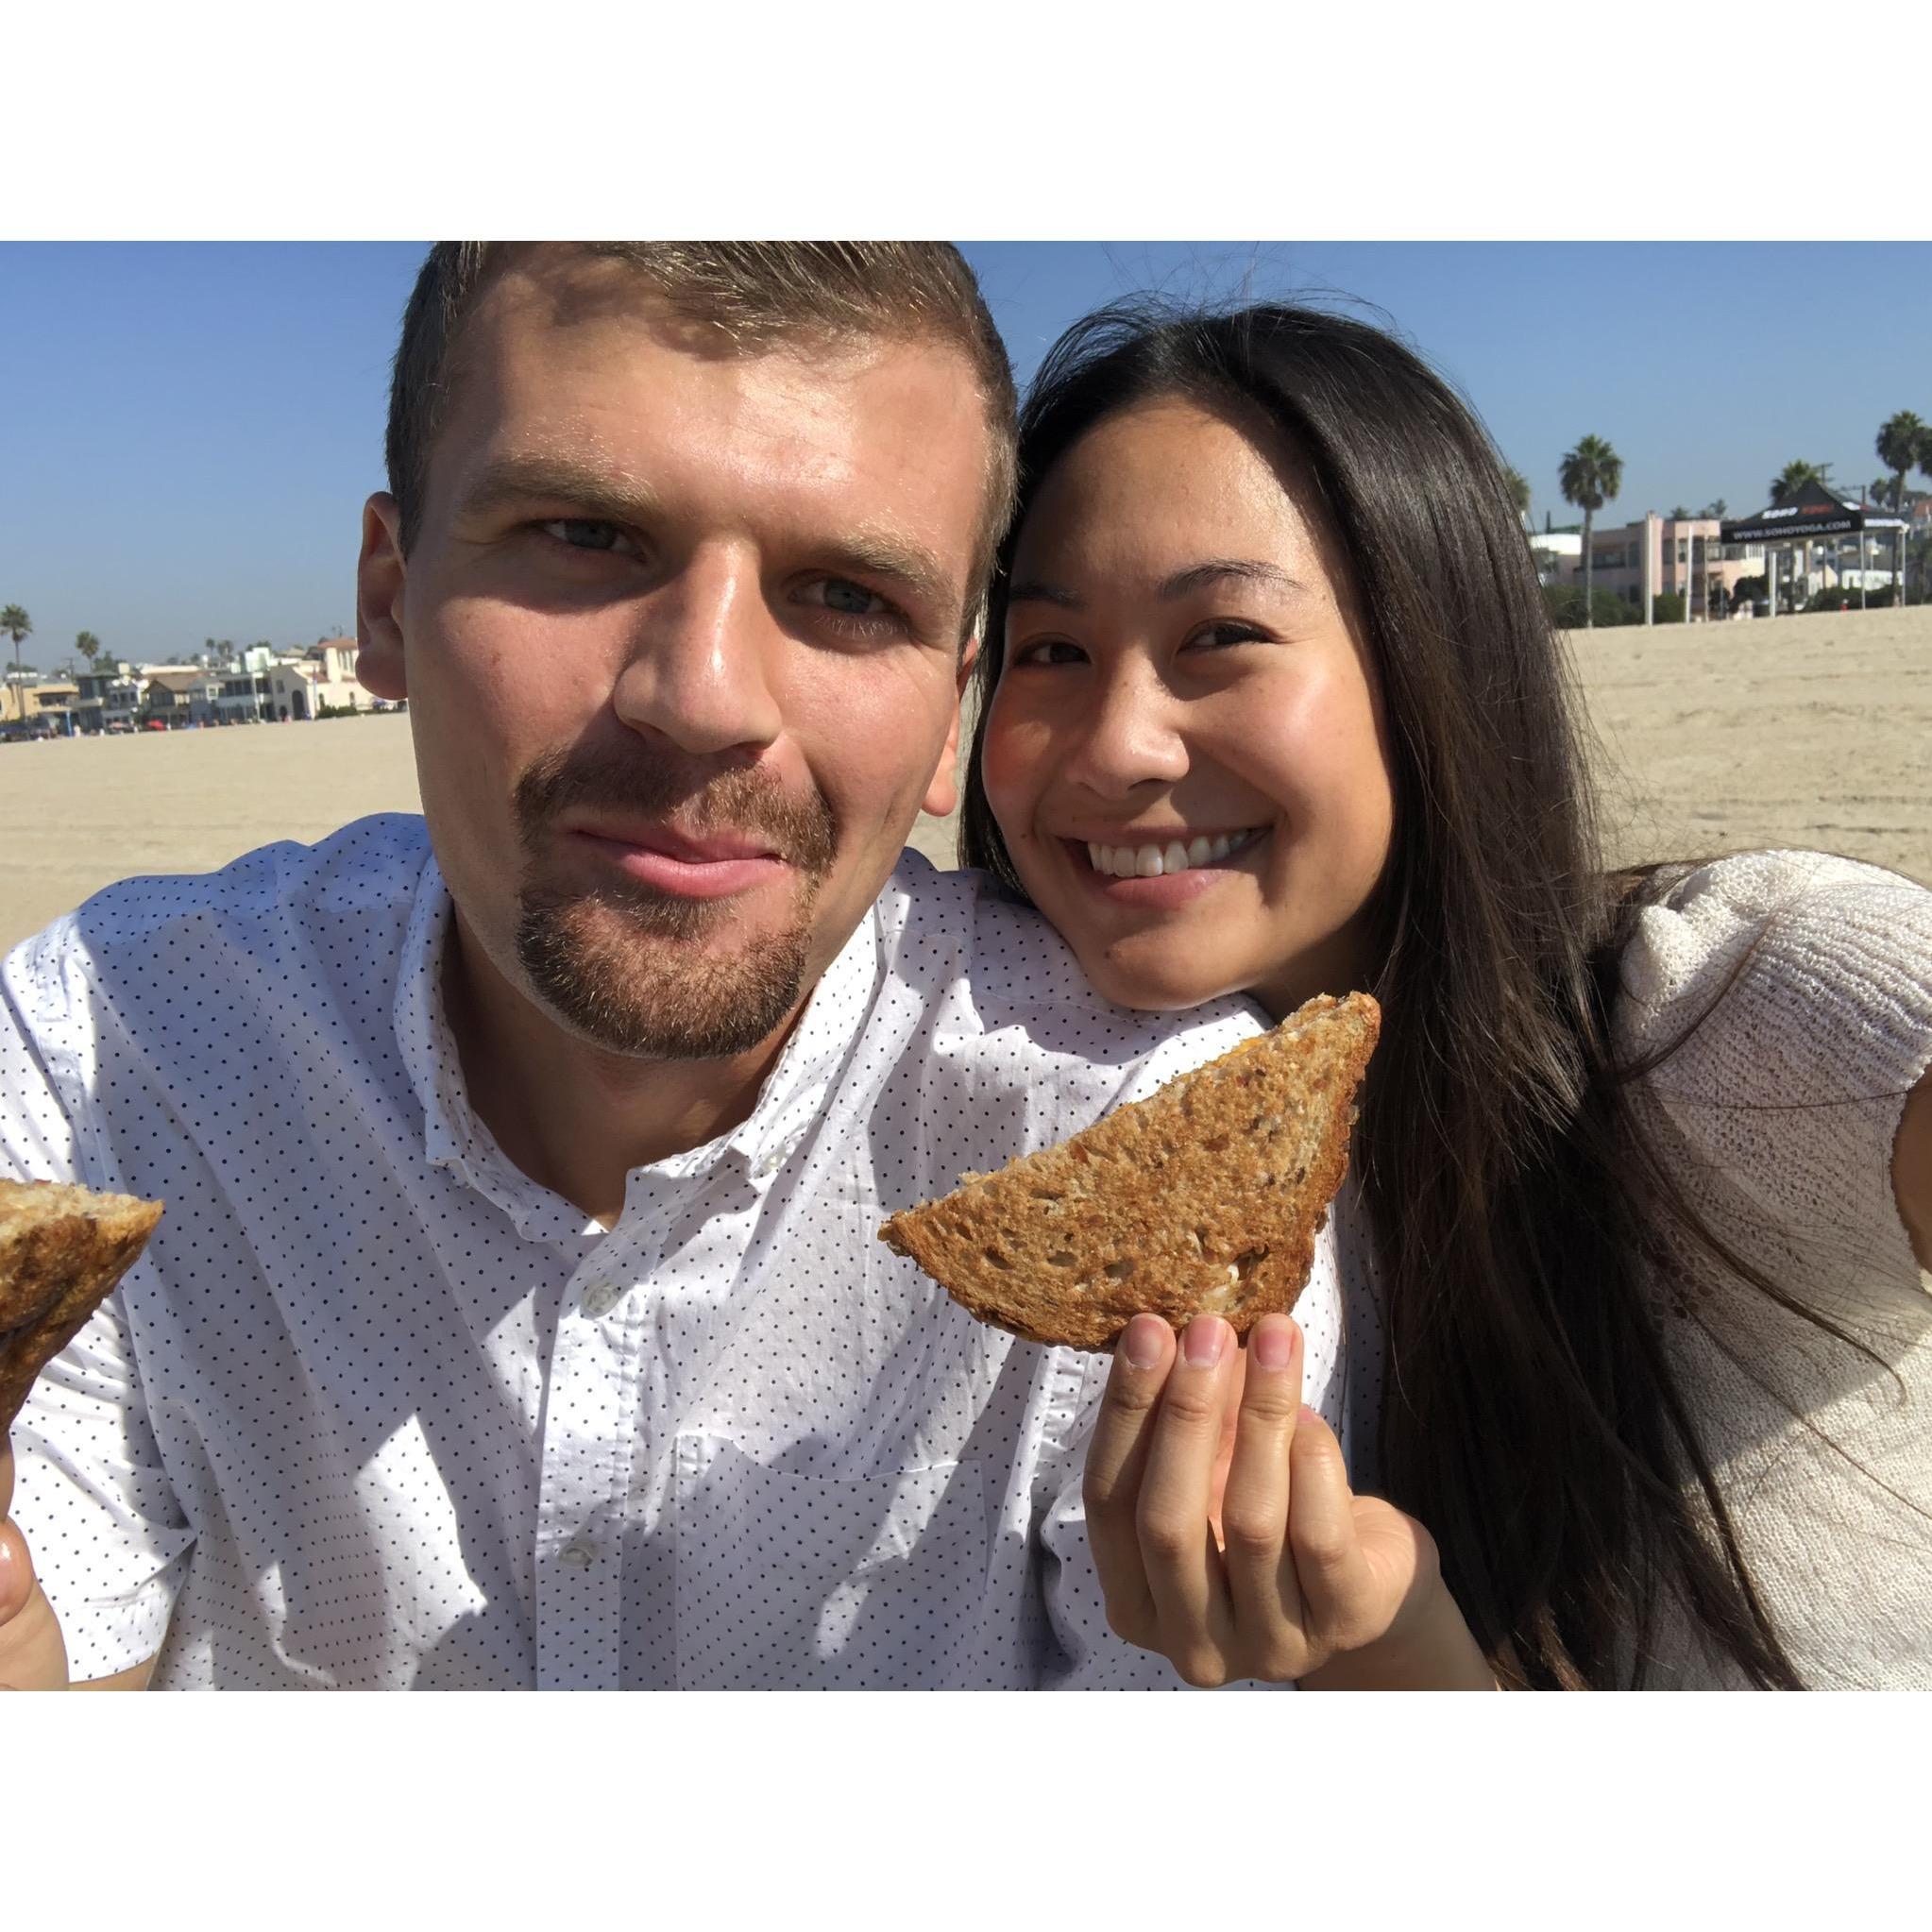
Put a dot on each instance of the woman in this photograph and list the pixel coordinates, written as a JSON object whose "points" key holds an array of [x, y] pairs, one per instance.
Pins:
{"points": [[1638, 1342]]}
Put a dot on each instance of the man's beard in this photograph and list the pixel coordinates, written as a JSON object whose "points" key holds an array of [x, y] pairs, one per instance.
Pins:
{"points": [[626, 965]]}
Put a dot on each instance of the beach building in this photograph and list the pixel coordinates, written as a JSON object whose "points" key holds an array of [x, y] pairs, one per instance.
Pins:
{"points": [[243, 695], [332, 676], [108, 700], [38, 707], [1664, 555], [1558, 553], [291, 686], [178, 693]]}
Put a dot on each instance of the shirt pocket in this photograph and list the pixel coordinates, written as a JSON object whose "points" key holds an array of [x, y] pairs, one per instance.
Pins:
{"points": [[786, 1581]]}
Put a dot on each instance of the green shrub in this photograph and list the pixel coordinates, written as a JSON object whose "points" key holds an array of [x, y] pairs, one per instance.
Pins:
{"points": [[1565, 602]]}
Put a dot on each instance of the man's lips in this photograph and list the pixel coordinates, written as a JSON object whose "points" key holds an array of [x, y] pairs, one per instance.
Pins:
{"points": [[710, 865]]}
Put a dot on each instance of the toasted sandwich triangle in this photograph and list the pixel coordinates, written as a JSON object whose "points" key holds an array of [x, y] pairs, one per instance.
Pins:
{"points": [[1204, 1198], [62, 1249]]}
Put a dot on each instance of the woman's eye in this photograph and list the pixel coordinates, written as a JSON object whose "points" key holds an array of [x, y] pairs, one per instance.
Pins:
{"points": [[583, 532], [1048, 651], [1218, 637]]}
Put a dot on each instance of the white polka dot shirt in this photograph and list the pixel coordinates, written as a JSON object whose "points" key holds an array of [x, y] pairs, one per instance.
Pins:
{"points": [[375, 1409]]}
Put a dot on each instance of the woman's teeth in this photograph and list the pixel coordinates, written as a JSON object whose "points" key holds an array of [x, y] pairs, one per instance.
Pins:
{"points": [[1155, 862]]}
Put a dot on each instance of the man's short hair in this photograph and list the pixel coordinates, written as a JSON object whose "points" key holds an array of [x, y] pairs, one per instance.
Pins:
{"points": [[754, 292]]}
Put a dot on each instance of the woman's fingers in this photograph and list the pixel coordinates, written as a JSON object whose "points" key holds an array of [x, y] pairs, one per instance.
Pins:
{"points": [[1335, 1580], [1116, 1457], [1178, 1553], [16, 1567], [1262, 1583]]}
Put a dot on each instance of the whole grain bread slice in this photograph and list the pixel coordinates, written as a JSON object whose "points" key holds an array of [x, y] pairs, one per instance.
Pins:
{"points": [[1204, 1198], [62, 1252]]}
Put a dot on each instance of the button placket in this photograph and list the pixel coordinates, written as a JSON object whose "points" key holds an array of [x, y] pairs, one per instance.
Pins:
{"points": [[590, 1443]]}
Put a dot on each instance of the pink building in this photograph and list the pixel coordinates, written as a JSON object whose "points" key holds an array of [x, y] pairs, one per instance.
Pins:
{"points": [[1669, 555]]}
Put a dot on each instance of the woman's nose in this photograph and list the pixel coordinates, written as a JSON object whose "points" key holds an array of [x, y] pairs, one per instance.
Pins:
{"points": [[1129, 738]]}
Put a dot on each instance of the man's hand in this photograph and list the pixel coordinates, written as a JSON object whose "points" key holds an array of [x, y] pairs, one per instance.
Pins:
{"points": [[32, 1658], [1228, 1540]]}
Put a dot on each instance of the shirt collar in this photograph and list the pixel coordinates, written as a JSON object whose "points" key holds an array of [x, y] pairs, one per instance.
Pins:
{"points": [[789, 1101]]}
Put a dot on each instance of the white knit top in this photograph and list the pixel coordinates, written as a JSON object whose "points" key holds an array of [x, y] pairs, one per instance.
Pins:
{"points": [[1779, 1113]]}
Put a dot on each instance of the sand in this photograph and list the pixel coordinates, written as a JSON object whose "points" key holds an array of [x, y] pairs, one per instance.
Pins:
{"points": [[1797, 731]]}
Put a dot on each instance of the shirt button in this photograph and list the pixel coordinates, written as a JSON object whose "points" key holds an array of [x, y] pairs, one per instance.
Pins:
{"points": [[600, 1298]]}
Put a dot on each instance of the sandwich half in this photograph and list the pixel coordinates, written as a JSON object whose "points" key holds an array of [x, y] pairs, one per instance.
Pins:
{"points": [[62, 1252], [1204, 1198]]}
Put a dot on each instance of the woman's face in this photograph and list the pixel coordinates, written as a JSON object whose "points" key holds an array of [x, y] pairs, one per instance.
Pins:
{"points": [[1185, 748]]}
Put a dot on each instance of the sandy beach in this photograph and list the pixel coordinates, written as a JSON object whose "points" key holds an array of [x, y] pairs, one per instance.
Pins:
{"points": [[1797, 731]]}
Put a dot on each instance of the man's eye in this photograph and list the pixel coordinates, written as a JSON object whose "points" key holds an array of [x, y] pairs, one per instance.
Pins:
{"points": [[851, 600], [583, 532]]}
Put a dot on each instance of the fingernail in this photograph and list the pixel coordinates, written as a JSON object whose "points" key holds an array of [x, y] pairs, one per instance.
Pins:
{"points": [[1207, 1335], [1272, 1345], [1142, 1341]]}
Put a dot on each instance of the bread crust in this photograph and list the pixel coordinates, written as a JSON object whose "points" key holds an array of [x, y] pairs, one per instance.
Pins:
{"points": [[62, 1249], [1204, 1198]]}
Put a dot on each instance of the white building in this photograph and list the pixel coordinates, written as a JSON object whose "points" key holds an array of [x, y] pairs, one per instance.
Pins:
{"points": [[1557, 553]]}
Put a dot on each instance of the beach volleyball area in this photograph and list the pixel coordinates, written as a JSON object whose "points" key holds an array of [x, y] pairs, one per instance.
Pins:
{"points": [[1813, 731]]}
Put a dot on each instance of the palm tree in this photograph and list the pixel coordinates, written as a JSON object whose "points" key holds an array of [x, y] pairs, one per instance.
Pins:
{"points": [[1591, 475], [1786, 484], [89, 646], [1795, 475], [1898, 449], [17, 624], [1518, 488]]}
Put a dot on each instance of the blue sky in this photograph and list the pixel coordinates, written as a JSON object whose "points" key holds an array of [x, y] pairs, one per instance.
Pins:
{"points": [[187, 431]]}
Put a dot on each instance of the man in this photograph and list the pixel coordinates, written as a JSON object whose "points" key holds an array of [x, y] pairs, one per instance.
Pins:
{"points": [[517, 1317]]}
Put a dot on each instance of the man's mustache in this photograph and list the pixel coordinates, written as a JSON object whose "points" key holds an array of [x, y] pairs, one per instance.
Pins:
{"points": [[803, 831]]}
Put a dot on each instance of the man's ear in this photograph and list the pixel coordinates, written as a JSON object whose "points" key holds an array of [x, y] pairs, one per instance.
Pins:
{"points": [[380, 667], [942, 794]]}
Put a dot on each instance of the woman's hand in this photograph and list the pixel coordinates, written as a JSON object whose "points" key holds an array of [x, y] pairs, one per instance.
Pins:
{"points": [[32, 1656], [1228, 1540]]}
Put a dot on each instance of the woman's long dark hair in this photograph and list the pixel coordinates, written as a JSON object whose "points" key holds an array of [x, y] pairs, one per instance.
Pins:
{"points": [[1533, 1420]]}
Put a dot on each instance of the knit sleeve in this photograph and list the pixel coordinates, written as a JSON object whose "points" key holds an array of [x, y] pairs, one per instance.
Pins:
{"points": [[1796, 991]]}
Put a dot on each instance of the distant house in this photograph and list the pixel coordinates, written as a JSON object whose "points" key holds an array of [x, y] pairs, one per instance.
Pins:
{"points": [[292, 690], [169, 693], [106, 698], [43, 707], [332, 665], [1669, 555], [1555, 551]]}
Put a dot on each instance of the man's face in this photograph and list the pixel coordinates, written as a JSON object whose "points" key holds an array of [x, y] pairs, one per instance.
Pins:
{"points": [[680, 637]]}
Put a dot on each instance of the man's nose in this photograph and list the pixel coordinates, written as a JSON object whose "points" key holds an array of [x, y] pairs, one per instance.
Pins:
{"points": [[1131, 736], [700, 673]]}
